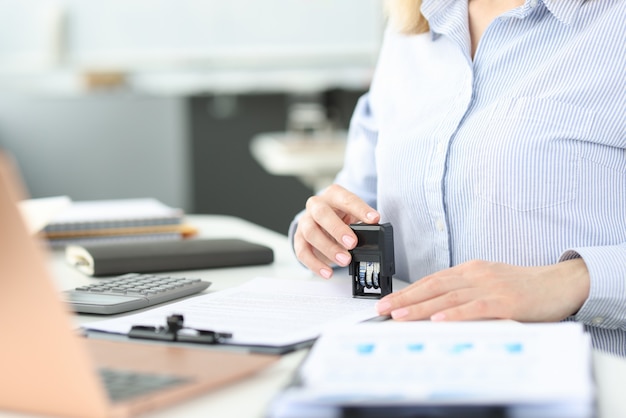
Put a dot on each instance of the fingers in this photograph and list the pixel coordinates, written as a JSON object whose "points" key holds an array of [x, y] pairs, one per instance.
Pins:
{"points": [[323, 236], [478, 309], [488, 290], [335, 209], [466, 292], [308, 253], [350, 204], [461, 305], [427, 289], [408, 307]]}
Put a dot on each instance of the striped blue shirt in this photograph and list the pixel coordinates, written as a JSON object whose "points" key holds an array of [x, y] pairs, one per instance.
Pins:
{"points": [[517, 155]]}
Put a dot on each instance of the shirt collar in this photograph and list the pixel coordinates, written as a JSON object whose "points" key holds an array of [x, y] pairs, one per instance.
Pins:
{"points": [[564, 10], [438, 11]]}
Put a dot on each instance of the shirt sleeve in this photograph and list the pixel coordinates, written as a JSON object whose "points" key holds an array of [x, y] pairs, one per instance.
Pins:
{"points": [[358, 174], [606, 305]]}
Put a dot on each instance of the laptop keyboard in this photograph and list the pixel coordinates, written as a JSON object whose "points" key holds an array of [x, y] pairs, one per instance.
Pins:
{"points": [[122, 385]]}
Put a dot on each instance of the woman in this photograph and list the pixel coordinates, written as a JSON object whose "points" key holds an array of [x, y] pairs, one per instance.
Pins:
{"points": [[493, 139]]}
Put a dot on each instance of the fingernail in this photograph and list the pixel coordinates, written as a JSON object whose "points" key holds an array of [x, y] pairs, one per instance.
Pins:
{"points": [[438, 317], [383, 307], [325, 273], [348, 241], [371, 215], [342, 259], [399, 313]]}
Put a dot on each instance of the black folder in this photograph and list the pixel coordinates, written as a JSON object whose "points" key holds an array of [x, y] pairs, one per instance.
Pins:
{"points": [[159, 256]]}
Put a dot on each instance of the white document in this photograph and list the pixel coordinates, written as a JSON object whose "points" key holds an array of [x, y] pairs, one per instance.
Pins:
{"points": [[38, 212], [264, 311], [539, 369]]}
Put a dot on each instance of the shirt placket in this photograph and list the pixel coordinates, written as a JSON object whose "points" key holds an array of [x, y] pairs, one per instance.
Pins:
{"points": [[434, 184]]}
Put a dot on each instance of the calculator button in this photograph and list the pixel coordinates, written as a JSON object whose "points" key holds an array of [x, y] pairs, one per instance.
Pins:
{"points": [[131, 291]]}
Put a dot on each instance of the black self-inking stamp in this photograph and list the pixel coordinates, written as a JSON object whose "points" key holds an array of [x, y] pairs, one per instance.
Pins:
{"points": [[372, 265]]}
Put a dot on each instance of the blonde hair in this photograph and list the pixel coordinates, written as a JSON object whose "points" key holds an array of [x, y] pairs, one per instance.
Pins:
{"points": [[406, 17]]}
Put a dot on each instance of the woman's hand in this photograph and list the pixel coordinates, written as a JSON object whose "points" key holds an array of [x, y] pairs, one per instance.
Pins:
{"points": [[323, 236], [484, 290]]}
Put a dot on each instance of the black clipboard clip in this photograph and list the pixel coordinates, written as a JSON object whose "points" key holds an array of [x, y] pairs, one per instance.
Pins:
{"points": [[171, 332]]}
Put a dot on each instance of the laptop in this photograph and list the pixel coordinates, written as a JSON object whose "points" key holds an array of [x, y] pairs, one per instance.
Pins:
{"points": [[47, 368]]}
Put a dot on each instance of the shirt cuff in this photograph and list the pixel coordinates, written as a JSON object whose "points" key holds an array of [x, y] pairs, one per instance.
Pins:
{"points": [[606, 305], [292, 232]]}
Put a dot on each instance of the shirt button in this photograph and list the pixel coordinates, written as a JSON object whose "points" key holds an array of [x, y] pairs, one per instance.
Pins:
{"points": [[597, 320], [440, 225]]}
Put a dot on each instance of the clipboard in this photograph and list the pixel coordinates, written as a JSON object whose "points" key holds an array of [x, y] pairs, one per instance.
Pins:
{"points": [[175, 331], [263, 315]]}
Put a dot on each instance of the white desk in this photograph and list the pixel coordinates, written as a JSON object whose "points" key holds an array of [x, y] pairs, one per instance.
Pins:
{"points": [[249, 398]]}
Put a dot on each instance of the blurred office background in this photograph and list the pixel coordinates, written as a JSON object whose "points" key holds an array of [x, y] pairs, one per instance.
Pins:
{"points": [[233, 107]]}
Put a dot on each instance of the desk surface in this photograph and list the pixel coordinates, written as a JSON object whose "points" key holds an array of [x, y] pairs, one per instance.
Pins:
{"points": [[249, 398]]}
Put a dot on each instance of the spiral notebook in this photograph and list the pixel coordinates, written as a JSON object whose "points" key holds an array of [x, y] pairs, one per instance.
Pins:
{"points": [[114, 213]]}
